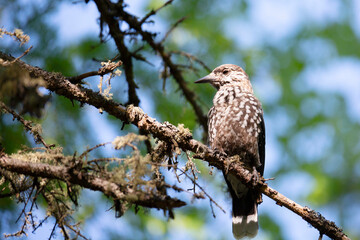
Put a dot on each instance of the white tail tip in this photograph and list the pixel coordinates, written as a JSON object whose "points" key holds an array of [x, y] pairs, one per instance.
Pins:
{"points": [[245, 226]]}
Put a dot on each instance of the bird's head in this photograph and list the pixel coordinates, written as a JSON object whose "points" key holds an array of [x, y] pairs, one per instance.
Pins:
{"points": [[226, 74]]}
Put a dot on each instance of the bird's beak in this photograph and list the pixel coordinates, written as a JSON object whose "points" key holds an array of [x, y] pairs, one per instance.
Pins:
{"points": [[207, 79]]}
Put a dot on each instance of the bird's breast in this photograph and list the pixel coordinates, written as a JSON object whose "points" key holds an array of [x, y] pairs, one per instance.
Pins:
{"points": [[234, 121]]}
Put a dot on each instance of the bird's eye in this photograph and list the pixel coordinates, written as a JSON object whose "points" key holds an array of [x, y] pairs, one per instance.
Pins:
{"points": [[225, 71]]}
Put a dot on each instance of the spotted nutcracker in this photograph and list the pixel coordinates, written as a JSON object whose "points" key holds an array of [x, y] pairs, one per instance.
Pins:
{"points": [[236, 127]]}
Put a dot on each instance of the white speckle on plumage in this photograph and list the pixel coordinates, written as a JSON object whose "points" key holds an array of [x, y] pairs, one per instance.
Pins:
{"points": [[231, 97], [242, 104], [221, 100]]}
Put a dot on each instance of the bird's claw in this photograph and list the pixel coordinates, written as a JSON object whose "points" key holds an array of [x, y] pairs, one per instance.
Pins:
{"points": [[254, 177], [219, 154]]}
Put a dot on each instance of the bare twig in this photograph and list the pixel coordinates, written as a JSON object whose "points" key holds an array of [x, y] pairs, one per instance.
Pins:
{"points": [[19, 36], [91, 149], [23, 54], [172, 28], [108, 68], [153, 12], [191, 165], [202, 189], [28, 126], [23, 211], [76, 231], [110, 159], [40, 223], [53, 231], [192, 58]]}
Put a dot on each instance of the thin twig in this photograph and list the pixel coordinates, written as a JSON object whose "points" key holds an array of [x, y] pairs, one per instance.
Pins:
{"points": [[190, 164], [211, 199], [25, 205], [93, 148], [192, 58], [52, 231], [108, 68], [109, 159], [171, 29], [40, 224], [28, 126], [23, 54], [77, 232], [153, 12]]}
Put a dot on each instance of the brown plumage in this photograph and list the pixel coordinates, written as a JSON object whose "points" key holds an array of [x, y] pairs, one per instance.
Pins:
{"points": [[236, 127]]}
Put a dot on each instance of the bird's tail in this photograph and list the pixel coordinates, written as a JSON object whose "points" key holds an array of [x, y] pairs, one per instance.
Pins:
{"points": [[245, 225], [244, 206]]}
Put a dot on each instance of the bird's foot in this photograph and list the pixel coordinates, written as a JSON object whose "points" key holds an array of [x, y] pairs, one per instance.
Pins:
{"points": [[219, 154], [254, 177]]}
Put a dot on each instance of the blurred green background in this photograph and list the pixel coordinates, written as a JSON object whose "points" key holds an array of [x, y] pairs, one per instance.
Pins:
{"points": [[303, 60]]}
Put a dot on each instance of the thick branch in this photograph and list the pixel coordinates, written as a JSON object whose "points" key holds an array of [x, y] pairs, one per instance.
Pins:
{"points": [[169, 133], [73, 176]]}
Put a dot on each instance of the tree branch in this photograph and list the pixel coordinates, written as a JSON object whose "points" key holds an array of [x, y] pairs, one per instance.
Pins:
{"points": [[182, 137], [86, 180]]}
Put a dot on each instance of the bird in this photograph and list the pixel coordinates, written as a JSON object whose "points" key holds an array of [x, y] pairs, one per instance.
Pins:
{"points": [[236, 127]]}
